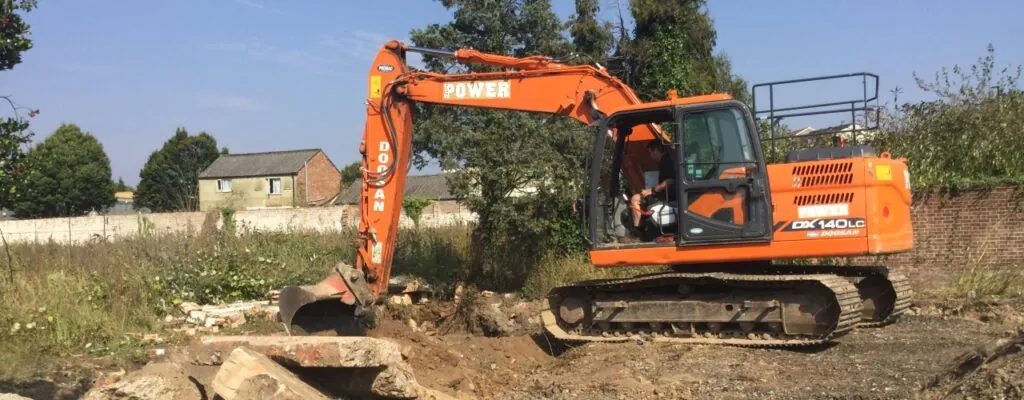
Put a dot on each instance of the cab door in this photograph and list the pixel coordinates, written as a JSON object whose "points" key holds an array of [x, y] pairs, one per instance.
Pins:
{"points": [[722, 183]]}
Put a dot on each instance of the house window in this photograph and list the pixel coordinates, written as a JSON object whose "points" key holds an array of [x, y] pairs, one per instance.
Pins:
{"points": [[274, 185], [224, 185]]}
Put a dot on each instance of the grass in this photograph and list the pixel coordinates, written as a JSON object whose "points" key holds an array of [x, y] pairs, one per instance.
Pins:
{"points": [[83, 301], [985, 281]]}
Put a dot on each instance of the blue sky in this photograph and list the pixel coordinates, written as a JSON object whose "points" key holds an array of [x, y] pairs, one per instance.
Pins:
{"points": [[265, 75]]}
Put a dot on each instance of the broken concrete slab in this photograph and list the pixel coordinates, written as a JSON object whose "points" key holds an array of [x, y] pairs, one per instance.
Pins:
{"points": [[248, 374], [154, 381], [304, 351]]}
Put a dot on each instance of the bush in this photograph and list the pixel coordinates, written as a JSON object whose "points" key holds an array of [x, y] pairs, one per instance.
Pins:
{"points": [[971, 136]]}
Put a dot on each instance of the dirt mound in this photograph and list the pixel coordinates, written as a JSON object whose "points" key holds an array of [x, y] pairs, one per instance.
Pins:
{"points": [[466, 364], [999, 311], [992, 371]]}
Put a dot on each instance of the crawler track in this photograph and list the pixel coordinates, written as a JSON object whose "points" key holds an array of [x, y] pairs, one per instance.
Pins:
{"points": [[758, 310]]}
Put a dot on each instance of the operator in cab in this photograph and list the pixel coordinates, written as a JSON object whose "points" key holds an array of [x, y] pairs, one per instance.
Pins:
{"points": [[665, 190]]}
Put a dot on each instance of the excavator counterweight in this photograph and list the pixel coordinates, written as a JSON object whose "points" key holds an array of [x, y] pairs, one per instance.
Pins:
{"points": [[727, 226]]}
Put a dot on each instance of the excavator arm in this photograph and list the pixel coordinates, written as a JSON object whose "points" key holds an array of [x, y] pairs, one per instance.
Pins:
{"points": [[533, 84]]}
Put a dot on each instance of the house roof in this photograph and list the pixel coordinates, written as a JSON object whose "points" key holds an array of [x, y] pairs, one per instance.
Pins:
{"points": [[287, 162], [433, 187]]}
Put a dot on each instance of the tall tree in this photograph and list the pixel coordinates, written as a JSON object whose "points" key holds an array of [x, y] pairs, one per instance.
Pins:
{"points": [[593, 39], [14, 132], [673, 48], [351, 173], [496, 153], [120, 186], [169, 181], [69, 176]]}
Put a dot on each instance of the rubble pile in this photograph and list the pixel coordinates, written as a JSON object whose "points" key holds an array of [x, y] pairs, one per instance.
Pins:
{"points": [[274, 367], [195, 319]]}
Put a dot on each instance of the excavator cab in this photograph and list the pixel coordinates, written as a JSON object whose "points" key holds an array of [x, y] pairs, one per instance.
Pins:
{"points": [[720, 194]]}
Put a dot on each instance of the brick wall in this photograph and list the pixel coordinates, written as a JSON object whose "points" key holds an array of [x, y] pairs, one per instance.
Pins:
{"points": [[954, 232], [324, 180]]}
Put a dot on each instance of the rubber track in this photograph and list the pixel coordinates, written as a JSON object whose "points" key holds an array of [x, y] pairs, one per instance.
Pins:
{"points": [[899, 282], [845, 293], [904, 296]]}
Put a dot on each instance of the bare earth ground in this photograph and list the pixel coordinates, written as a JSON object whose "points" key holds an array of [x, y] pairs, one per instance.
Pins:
{"points": [[900, 361], [891, 362]]}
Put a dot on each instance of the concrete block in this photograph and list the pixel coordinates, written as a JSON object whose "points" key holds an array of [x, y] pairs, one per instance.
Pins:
{"points": [[303, 351], [247, 374]]}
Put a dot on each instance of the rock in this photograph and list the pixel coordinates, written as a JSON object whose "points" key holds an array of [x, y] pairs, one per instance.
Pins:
{"points": [[197, 317], [247, 374], [493, 321], [12, 396], [411, 323], [154, 381], [235, 320], [188, 307], [401, 300], [305, 351]]}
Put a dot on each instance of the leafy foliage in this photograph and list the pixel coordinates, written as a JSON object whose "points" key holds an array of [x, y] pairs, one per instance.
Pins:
{"points": [[673, 48], [972, 135], [120, 186], [494, 154], [69, 176], [593, 39], [170, 178], [413, 207], [350, 173], [14, 133]]}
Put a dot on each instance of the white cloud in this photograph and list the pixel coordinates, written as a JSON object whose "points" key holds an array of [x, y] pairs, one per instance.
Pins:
{"points": [[288, 57], [258, 6], [358, 44], [230, 102]]}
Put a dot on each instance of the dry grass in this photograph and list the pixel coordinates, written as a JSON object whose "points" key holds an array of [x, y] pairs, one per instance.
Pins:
{"points": [[81, 300]]}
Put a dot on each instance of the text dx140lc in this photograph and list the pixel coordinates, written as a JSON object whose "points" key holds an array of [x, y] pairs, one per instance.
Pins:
{"points": [[682, 183]]}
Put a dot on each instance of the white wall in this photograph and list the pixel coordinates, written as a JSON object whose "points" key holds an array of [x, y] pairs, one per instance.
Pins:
{"points": [[321, 219]]}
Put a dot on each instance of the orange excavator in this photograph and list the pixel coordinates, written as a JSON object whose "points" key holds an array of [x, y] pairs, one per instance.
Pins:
{"points": [[730, 230]]}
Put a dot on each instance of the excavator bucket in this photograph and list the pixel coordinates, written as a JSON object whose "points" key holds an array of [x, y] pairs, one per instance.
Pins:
{"points": [[328, 308]]}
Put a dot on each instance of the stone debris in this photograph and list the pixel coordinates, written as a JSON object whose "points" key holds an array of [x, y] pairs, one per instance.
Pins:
{"points": [[304, 351], [336, 366], [197, 319], [248, 374], [154, 381]]}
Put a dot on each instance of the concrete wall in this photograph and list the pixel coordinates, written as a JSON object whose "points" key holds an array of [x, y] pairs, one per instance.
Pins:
{"points": [[322, 219], [952, 232], [246, 193]]}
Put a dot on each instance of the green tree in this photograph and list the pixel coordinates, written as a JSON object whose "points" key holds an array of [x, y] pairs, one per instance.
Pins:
{"points": [[169, 181], [593, 39], [351, 173], [120, 186], [971, 135], [413, 207], [69, 176], [14, 130], [673, 47], [496, 154]]}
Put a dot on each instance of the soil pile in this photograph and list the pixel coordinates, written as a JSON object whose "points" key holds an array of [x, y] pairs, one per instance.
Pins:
{"points": [[992, 371]]}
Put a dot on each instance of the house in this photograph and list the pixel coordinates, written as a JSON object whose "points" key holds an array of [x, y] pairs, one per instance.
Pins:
{"points": [[846, 131], [124, 203], [443, 209], [276, 179], [431, 187]]}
